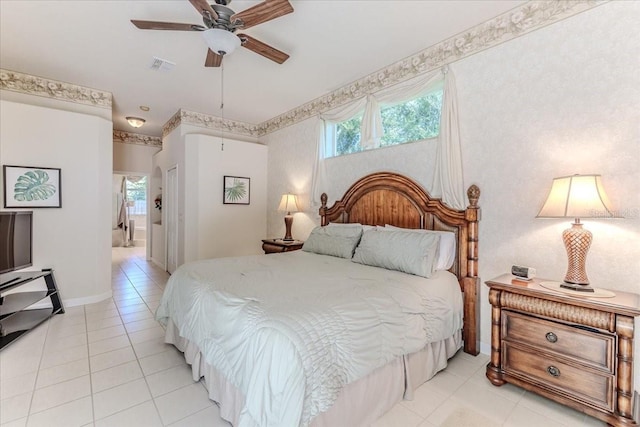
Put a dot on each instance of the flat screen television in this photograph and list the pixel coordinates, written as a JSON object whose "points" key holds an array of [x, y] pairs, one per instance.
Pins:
{"points": [[15, 240]]}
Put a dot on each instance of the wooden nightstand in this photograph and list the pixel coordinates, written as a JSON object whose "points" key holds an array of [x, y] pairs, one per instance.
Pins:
{"points": [[271, 246], [575, 350]]}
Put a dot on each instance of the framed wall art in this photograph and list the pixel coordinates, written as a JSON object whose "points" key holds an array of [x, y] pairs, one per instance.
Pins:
{"points": [[236, 190], [31, 187]]}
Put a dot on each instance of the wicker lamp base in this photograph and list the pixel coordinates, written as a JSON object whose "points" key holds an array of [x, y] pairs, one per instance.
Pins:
{"points": [[577, 241]]}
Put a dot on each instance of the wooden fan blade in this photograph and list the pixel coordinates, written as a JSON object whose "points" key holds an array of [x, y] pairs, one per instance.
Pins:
{"points": [[263, 49], [204, 8], [155, 25], [213, 59], [263, 12]]}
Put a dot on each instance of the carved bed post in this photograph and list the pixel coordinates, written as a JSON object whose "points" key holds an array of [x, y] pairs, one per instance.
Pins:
{"points": [[323, 209], [471, 282]]}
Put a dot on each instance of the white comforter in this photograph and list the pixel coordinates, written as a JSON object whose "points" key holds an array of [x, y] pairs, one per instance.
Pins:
{"points": [[290, 330]]}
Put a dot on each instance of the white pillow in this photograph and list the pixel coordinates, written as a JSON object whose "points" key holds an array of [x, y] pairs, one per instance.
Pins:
{"points": [[339, 241], [365, 227], [413, 253], [447, 250]]}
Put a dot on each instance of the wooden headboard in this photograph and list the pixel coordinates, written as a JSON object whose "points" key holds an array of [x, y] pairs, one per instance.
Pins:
{"points": [[390, 198]]}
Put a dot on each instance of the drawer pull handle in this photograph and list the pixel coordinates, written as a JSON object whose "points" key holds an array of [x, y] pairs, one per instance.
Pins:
{"points": [[553, 371], [551, 337]]}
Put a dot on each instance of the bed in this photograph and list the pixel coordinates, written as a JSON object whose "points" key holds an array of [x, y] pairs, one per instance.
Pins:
{"points": [[306, 338]]}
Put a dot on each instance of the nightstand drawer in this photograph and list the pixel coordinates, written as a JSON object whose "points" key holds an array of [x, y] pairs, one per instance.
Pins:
{"points": [[593, 348], [572, 381]]}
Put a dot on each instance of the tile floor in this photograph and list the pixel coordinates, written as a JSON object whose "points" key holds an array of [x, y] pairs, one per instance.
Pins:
{"points": [[106, 364]]}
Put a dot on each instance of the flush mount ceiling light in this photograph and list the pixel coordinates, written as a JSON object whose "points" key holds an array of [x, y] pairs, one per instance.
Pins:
{"points": [[135, 122]]}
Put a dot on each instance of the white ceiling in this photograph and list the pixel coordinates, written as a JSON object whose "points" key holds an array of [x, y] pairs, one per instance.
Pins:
{"points": [[331, 43]]}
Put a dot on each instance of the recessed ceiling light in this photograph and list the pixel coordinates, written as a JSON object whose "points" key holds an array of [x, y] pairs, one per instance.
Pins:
{"points": [[144, 108]]}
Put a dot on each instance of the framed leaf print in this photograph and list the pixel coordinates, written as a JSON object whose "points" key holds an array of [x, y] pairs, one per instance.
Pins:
{"points": [[236, 190], [31, 187]]}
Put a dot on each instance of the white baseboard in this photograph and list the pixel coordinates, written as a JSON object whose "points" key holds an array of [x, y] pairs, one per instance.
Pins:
{"points": [[485, 348], [159, 264], [72, 302]]}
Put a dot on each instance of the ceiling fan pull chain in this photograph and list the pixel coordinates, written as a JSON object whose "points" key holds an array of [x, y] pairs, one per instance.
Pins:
{"points": [[222, 102]]}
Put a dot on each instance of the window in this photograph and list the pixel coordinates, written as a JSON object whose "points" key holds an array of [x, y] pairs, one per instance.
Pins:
{"points": [[413, 120], [347, 136], [137, 193]]}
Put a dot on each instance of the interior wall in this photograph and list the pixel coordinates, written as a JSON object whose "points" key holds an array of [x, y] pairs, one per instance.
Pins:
{"points": [[74, 240], [216, 229], [133, 158], [291, 159], [206, 227], [562, 100]]}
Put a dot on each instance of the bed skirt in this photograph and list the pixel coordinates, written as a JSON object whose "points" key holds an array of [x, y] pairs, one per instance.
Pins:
{"points": [[360, 403]]}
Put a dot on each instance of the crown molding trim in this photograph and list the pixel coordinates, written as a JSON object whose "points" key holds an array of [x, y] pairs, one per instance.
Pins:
{"points": [[125, 137], [207, 121], [39, 86], [520, 21]]}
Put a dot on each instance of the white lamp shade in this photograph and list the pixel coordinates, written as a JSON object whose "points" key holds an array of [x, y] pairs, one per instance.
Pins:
{"points": [[288, 203], [576, 196], [221, 41]]}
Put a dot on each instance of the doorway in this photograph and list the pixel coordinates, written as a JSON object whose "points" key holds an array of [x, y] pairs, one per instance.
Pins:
{"points": [[137, 206], [129, 217]]}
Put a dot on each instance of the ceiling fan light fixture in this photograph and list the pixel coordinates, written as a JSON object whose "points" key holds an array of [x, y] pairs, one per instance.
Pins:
{"points": [[220, 41], [135, 122]]}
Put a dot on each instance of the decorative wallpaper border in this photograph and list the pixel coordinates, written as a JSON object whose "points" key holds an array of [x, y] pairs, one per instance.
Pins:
{"points": [[209, 122], [519, 21], [136, 138], [39, 86]]}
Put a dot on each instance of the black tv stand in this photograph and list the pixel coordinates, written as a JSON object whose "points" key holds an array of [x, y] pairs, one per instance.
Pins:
{"points": [[16, 318], [8, 282]]}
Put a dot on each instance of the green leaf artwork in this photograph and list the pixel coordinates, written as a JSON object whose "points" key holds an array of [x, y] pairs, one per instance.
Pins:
{"points": [[33, 185], [236, 192]]}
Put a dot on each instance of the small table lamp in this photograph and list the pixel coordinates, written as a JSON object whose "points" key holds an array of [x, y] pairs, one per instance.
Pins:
{"points": [[288, 204], [577, 196]]}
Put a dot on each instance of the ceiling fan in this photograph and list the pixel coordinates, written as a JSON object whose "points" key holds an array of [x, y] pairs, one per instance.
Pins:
{"points": [[221, 24]]}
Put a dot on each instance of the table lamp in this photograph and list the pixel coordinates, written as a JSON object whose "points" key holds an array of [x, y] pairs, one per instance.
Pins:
{"points": [[288, 204], [576, 196]]}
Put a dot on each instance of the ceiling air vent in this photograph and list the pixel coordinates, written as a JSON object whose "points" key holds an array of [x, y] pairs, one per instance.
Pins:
{"points": [[159, 64]]}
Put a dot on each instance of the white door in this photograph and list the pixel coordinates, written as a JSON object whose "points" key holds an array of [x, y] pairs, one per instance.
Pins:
{"points": [[172, 219]]}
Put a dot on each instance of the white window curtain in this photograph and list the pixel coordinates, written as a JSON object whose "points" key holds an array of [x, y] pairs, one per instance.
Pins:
{"points": [[448, 179], [371, 131], [337, 115]]}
